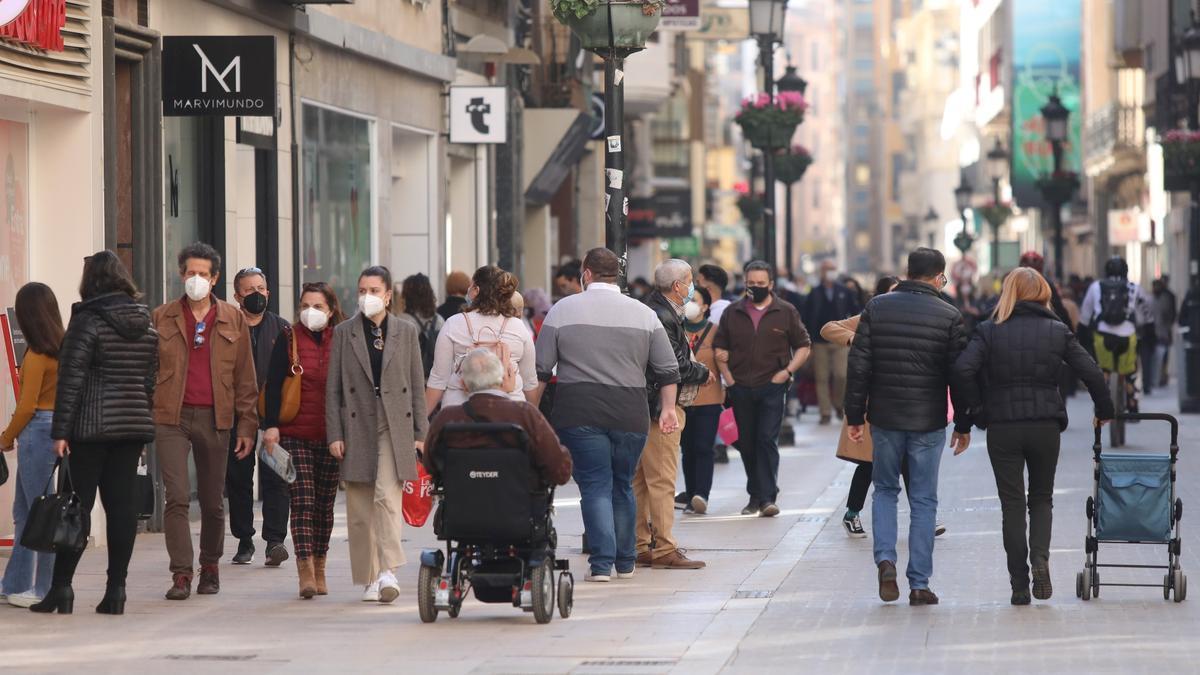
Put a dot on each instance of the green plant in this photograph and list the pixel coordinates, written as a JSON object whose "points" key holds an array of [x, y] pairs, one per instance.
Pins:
{"points": [[996, 213], [1058, 187], [1181, 159], [768, 123], [566, 10], [790, 166], [751, 207]]}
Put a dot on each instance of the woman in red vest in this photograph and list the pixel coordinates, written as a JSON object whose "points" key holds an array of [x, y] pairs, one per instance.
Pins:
{"points": [[315, 489]]}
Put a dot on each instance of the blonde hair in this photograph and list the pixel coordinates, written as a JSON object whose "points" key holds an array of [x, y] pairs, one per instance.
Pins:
{"points": [[1023, 284]]}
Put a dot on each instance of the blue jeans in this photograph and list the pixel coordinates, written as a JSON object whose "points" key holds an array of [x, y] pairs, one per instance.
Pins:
{"points": [[699, 437], [605, 461], [35, 463], [923, 453]]}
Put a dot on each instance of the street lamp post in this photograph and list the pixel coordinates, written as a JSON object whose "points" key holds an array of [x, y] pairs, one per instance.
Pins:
{"points": [[962, 200], [997, 161], [1187, 74], [766, 25], [790, 81], [1056, 117]]}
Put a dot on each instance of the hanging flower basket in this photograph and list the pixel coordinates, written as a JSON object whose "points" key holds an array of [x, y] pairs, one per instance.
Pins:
{"points": [[790, 166], [1058, 187], [994, 213], [1181, 160], [633, 21], [751, 207], [769, 125]]}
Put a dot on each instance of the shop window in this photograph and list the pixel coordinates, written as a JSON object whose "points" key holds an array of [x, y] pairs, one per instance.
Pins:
{"points": [[337, 200]]}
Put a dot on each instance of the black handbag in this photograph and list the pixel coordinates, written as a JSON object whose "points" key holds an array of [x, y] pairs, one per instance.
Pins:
{"points": [[57, 522]]}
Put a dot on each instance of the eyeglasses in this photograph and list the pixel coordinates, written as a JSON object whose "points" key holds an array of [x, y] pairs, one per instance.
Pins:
{"points": [[198, 338], [378, 333]]}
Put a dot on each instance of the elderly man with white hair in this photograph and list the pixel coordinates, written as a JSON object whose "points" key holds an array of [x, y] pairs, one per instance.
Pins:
{"points": [[482, 375], [654, 482]]}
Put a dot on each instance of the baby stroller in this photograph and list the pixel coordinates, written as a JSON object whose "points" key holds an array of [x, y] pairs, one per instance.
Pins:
{"points": [[494, 514], [1134, 502]]}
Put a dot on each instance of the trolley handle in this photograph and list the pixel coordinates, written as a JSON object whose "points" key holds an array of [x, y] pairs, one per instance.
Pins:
{"points": [[1161, 417]]}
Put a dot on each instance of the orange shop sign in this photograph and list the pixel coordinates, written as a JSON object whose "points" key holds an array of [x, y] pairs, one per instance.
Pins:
{"points": [[37, 23]]}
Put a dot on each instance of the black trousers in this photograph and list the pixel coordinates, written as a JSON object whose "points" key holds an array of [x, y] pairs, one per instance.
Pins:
{"points": [[1012, 447], [111, 468], [861, 482], [239, 488], [759, 414]]}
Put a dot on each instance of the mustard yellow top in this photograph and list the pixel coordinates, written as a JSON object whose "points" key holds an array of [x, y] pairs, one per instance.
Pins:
{"points": [[39, 381]]}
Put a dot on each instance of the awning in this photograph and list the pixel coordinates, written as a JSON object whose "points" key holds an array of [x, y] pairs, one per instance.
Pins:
{"points": [[555, 140]]}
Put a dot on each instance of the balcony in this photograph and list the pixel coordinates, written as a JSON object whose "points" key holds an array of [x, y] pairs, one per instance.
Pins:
{"points": [[1114, 141]]}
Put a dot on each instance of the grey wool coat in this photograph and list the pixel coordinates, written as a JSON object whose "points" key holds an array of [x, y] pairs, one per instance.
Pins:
{"points": [[350, 404]]}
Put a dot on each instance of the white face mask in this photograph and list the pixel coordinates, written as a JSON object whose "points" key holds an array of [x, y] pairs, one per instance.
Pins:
{"points": [[831, 276], [370, 305], [691, 311], [314, 319], [197, 288]]}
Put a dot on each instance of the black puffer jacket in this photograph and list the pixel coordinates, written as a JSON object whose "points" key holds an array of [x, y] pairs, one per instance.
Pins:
{"points": [[1010, 372], [106, 373], [901, 358], [690, 371]]}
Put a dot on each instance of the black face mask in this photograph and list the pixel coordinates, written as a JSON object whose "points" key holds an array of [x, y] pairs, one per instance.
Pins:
{"points": [[758, 293], [255, 303]]}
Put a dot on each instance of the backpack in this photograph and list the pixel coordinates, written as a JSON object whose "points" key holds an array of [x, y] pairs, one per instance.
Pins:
{"points": [[1114, 301], [427, 339], [496, 345]]}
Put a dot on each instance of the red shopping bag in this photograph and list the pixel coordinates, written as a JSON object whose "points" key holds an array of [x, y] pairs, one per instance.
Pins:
{"points": [[418, 498], [727, 427]]}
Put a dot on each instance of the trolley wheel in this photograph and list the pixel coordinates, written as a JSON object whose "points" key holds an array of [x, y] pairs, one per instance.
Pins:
{"points": [[1090, 510], [1079, 584], [543, 591], [427, 582], [566, 594], [1178, 510], [1180, 585], [455, 608], [1095, 583], [1086, 578]]}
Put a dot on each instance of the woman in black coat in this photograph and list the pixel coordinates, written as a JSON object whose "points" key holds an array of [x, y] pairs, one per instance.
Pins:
{"points": [[1009, 376], [102, 417]]}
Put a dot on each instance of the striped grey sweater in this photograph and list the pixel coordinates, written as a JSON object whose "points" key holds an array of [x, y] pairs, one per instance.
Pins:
{"points": [[604, 345]]}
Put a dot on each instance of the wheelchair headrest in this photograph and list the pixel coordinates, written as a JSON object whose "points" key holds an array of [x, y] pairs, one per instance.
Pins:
{"points": [[497, 430]]}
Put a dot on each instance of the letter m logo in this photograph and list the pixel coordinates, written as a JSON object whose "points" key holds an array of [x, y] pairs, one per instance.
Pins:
{"points": [[206, 67]]}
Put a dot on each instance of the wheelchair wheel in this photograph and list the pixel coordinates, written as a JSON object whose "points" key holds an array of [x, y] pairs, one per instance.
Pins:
{"points": [[543, 591], [566, 594], [427, 583]]}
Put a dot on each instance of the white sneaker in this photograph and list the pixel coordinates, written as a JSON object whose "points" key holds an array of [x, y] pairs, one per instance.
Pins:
{"points": [[625, 575], [602, 578], [371, 592], [25, 600], [699, 505], [389, 587], [939, 529]]}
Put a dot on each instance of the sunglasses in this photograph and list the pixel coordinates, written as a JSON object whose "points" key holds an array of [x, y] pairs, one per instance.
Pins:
{"points": [[377, 332], [250, 270], [198, 338]]}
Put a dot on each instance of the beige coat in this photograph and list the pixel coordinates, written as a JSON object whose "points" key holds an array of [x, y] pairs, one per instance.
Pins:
{"points": [[350, 403]]}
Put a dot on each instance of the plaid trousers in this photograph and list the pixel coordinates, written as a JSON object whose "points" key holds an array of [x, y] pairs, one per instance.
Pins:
{"points": [[312, 495]]}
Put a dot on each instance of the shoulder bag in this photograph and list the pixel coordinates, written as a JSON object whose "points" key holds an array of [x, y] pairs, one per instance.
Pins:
{"points": [[289, 393], [57, 522]]}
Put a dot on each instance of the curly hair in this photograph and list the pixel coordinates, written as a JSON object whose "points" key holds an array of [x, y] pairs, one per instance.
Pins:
{"points": [[417, 294], [496, 288]]}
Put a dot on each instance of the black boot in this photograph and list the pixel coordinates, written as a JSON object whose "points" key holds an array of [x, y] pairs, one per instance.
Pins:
{"points": [[59, 599], [113, 602]]}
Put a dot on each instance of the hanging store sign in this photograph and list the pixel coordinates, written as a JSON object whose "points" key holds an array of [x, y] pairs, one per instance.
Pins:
{"points": [[681, 15], [37, 23], [1126, 226], [478, 115], [219, 76], [723, 23], [667, 214]]}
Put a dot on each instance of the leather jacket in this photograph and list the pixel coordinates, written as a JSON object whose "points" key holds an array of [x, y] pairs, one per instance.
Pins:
{"points": [[690, 371]]}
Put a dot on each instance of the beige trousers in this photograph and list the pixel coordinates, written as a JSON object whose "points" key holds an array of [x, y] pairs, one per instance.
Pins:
{"points": [[654, 489], [829, 363], [375, 518]]}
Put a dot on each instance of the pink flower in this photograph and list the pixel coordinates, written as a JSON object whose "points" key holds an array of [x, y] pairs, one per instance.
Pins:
{"points": [[800, 150], [791, 100]]}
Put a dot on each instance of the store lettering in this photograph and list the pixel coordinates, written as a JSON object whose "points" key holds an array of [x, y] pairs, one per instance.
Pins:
{"points": [[195, 104], [40, 25]]}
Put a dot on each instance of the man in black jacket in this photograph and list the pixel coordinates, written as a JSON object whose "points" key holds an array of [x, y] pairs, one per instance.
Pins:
{"points": [[900, 367], [654, 482], [828, 301]]}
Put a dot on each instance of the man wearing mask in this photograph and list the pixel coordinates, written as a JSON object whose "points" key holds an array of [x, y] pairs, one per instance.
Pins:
{"points": [[760, 345], [251, 292], [658, 469], [206, 381], [829, 301]]}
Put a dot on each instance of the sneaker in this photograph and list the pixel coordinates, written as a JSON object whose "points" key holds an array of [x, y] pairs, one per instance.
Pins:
{"points": [[854, 528], [699, 505], [389, 587], [1042, 589], [688, 510], [625, 575], [921, 596], [681, 501], [245, 554], [371, 592], [824, 421], [751, 509], [181, 587], [888, 590], [939, 529], [276, 554], [24, 600], [598, 578], [210, 580], [769, 510]]}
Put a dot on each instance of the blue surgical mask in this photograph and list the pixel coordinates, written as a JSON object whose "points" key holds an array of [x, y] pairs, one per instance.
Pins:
{"points": [[691, 293]]}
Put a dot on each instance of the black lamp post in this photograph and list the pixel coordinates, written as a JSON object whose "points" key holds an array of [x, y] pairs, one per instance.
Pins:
{"points": [[790, 81], [1187, 74], [962, 200], [997, 162], [931, 221], [766, 25], [1056, 117]]}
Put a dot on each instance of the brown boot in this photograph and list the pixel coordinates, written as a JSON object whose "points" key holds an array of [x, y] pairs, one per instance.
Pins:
{"points": [[644, 559], [319, 575], [181, 587], [676, 560], [210, 580], [922, 596], [308, 587], [888, 590]]}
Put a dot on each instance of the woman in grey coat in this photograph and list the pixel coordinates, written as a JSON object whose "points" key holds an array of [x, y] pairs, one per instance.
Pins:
{"points": [[375, 420]]}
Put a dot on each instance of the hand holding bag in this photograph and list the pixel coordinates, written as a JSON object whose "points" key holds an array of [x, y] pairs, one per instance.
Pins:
{"points": [[57, 522], [418, 497], [3, 470]]}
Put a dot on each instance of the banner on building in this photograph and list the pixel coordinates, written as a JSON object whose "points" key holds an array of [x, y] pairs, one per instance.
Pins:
{"points": [[723, 23], [680, 15], [666, 214], [478, 115], [1046, 53], [218, 76]]}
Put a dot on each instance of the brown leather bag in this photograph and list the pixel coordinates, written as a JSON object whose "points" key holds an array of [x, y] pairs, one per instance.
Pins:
{"points": [[289, 394]]}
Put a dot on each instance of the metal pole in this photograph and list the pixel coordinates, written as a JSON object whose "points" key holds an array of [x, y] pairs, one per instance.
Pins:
{"points": [[615, 234], [787, 234], [1056, 207], [1189, 394], [995, 223], [767, 50]]}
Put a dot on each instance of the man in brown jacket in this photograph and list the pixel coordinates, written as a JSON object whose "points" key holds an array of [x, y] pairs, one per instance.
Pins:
{"points": [[482, 374], [206, 380]]}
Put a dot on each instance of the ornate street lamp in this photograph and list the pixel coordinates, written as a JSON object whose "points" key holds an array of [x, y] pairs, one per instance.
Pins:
{"points": [[789, 82], [1187, 74], [997, 163], [962, 200], [767, 19], [1056, 117]]}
